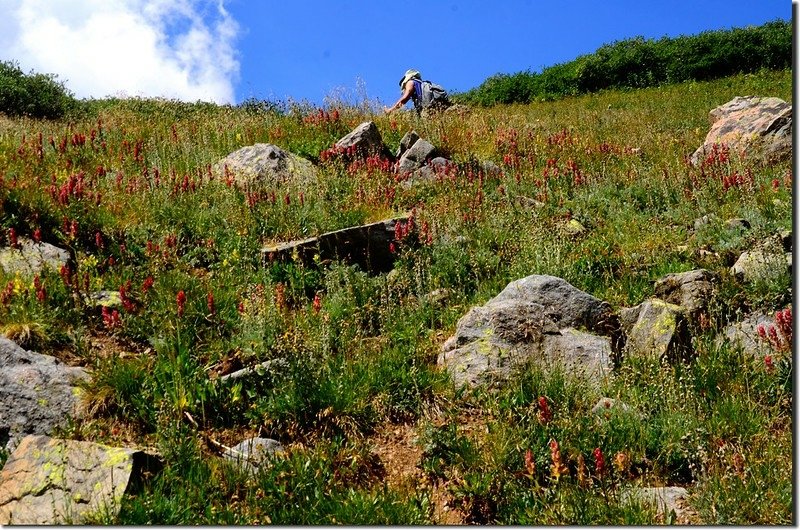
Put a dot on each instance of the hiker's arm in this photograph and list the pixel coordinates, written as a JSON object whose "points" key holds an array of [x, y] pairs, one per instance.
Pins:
{"points": [[408, 91]]}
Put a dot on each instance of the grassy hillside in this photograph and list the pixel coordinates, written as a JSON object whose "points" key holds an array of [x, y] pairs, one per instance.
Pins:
{"points": [[374, 430]]}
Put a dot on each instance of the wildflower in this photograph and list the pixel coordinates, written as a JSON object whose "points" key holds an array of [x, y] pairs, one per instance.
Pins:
{"points": [[12, 238], [530, 464], [599, 462], [621, 462], [768, 363], [180, 300], [545, 414], [147, 284], [111, 318], [317, 303], [98, 240], [41, 292], [37, 235], [559, 467], [66, 275], [210, 302]]}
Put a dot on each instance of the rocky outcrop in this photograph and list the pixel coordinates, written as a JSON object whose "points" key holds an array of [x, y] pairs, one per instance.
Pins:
{"points": [[37, 393], [29, 258], [366, 245], [751, 126], [538, 318], [50, 481], [267, 166]]}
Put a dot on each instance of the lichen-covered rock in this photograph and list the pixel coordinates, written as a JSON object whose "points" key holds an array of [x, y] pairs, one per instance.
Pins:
{"points": [[50, 481], [267, 166], [656, 329], [690, 290], [30, 258], [750, 126], [37, 392]]}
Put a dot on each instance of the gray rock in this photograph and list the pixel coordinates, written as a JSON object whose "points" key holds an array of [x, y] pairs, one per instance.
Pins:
{"points": [[656, 329], [267, 166], [565, 304], [415, 156], [490, 169], [752, 126], [704, 221], [406, 142], [737, 223], [574, 228], [31, 258], [260, 370], [110, 299], [605, 404], [743, 335], [253, 452], [692, 290], [532, 319], [365, 140], [37, 392], [49, 481], [366, 245], [762, 264], [670, 503]]}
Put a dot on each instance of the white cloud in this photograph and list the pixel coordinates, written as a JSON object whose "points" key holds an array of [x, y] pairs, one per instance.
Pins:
{"points": [[182, 49]]}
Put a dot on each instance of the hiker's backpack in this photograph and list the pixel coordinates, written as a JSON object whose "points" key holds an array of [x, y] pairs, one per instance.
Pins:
{"points": [[430, 95]]}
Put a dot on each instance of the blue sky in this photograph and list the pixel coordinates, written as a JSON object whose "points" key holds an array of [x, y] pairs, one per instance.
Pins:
{"points": [[318, 51]]}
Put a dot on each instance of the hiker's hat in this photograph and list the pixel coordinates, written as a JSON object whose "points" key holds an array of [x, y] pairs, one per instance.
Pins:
{"points": [[410, 74]]}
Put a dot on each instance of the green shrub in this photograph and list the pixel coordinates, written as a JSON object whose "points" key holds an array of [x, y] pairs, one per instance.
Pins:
{"points": [[34, 95]]}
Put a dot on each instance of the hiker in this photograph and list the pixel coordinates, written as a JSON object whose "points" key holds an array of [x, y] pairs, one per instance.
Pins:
{"points": [[424, 94]]}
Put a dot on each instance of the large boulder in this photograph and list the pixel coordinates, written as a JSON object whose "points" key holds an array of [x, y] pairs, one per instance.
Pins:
{"points": [[266, 166], [29, 258], [656, 329], [365, 140], [37, 393], [50, 481], [751, 126], [537, 319]]}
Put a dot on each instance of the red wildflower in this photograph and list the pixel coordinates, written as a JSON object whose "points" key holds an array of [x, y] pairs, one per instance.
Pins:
{"points": [[599, 462], [210, 302], [317, 303], [180, 300]]}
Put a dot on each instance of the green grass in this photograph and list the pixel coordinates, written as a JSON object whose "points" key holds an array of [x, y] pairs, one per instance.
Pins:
{"points": [[144, 214]]}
